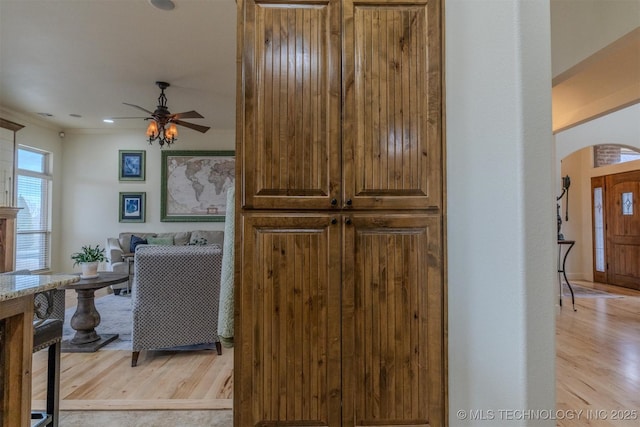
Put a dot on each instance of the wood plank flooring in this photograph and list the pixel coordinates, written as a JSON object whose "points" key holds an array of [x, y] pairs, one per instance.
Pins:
{"points": [[162, 380], [598, 360], [195, 380], [597, 370]]}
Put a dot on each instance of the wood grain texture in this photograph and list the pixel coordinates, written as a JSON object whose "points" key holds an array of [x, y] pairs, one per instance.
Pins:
{"points": [[7, 238], [290, 298], [622, 248], [291, 81], [17, 343], [312, 172], [392, 104], [105, 380], [597, 351], [393, 320]]}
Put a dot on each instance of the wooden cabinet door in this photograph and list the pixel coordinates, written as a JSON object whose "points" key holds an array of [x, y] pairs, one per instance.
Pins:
{"points": [[288, 359], [392, 320], [289, 104], [391, 135]]}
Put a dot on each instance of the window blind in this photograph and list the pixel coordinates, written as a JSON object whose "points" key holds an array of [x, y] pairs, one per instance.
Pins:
{"points": [[32, 225]]}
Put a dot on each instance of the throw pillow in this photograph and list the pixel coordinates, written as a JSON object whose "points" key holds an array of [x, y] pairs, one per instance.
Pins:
{"points": [[164, 240], [181, 238], [135, 241], [206, 237]]}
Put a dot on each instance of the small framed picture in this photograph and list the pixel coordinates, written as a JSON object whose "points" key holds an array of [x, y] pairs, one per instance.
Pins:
{"points": [[132, 207], [131, 165]]}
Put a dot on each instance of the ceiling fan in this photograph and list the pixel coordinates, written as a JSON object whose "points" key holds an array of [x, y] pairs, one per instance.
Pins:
{"points": [[162, 117]]}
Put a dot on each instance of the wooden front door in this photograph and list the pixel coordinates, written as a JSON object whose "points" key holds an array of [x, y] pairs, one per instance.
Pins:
{"points": [[622, 193]]}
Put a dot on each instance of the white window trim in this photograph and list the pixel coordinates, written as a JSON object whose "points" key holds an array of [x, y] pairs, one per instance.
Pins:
{"points": [[46, 175]]}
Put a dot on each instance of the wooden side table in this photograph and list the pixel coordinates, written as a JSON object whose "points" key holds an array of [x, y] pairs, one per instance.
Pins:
{"points": [[86, 318]]}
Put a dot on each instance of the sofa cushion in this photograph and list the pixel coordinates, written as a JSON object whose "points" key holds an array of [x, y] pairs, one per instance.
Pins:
{"points": [[210, 237], [180, 238], [160, 240], [124, 239], [135, 241]]}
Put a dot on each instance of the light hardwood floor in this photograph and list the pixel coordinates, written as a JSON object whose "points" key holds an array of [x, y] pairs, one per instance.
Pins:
{"points": [[195, 380], [597, 370], [598, 360]]}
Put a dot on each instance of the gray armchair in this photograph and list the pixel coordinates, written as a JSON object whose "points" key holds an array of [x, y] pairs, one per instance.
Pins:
{"points": [[175, 297]]}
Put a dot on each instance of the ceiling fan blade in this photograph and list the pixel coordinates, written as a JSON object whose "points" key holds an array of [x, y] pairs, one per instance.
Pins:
{"points": [[121, 118], [188, 115], [199, 128], [138, 107]]}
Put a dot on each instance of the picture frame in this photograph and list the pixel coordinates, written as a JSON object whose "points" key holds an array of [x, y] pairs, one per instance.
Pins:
{"points": [[132, 206], [131, 165], [194, 185]]}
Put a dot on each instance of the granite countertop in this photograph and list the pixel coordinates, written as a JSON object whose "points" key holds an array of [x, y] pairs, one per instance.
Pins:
{"points": [[17, 286]]}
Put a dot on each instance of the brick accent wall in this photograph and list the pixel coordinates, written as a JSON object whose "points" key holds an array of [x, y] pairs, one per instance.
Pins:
{"points": [[606, 155]]}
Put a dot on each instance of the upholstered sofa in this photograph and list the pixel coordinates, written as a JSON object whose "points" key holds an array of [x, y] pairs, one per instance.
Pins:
{"points": [[119, 247]]}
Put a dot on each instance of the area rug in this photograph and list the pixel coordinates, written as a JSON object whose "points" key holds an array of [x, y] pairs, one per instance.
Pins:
{"points": [[115, 318], [215, 418], [583, 292]]}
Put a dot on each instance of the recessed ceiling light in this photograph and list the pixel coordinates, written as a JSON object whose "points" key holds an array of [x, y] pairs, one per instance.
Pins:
{"points": [[162, 4], [75, 115], [45, 114], [108, 120]]}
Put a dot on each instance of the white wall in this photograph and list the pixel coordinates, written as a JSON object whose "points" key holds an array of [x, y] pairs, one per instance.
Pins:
{"points": [[7, 156], [621, 127], [501, 210], [577, 166], [91, 185], [579, 28], [39, 134], [574, 154]]}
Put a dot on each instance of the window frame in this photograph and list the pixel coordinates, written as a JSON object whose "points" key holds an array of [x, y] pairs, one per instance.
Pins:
{"points": [[46, 176]]}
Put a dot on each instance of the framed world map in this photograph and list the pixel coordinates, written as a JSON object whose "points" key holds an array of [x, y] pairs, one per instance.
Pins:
{"points": [[194, 185]]}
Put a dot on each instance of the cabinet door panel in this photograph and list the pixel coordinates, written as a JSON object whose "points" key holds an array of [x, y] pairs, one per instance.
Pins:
{"points": [[393, 321], [392, 114], [290, 132], [288, 362]]}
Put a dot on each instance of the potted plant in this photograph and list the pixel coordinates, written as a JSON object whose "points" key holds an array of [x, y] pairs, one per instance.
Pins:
{"points": [[88, 258]]}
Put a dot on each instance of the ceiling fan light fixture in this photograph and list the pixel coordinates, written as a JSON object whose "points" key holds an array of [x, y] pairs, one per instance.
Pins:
{"points": [[152, 130], [162, 124], [172, 131], [157, 132]]}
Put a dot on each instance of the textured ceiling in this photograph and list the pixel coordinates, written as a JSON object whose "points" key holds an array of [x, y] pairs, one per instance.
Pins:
{"points": [[87, 57], [603, 83]]}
